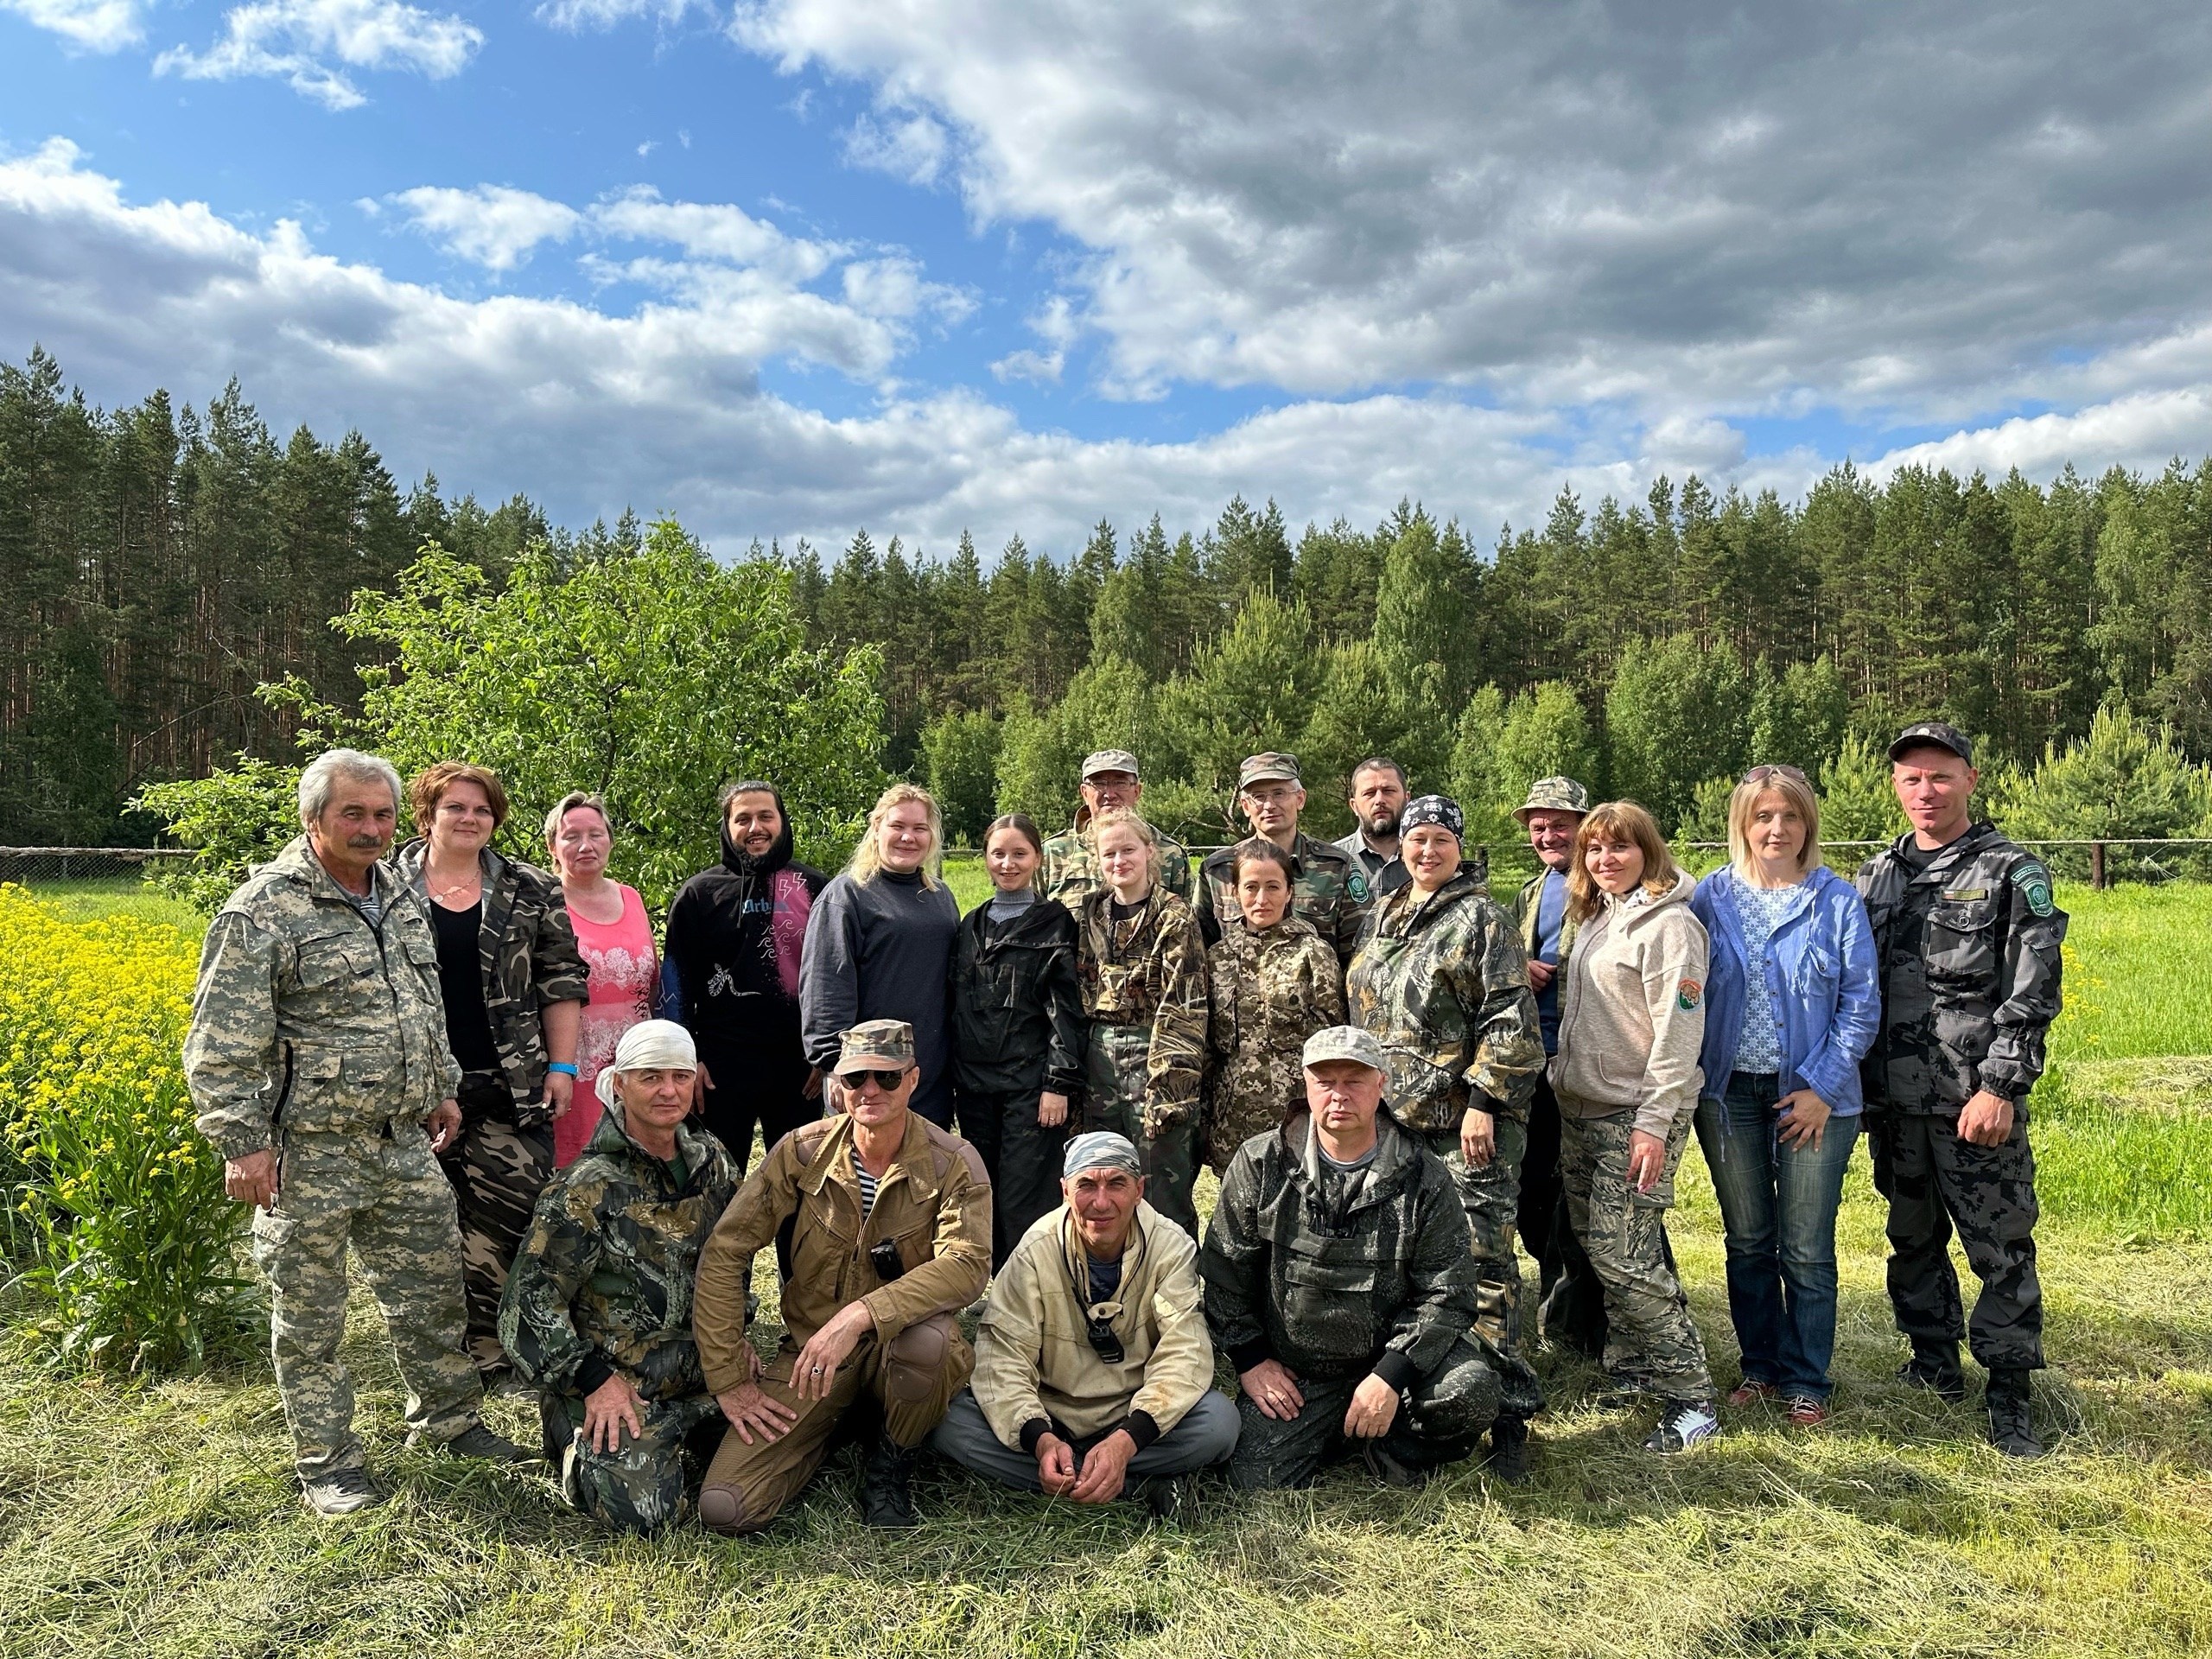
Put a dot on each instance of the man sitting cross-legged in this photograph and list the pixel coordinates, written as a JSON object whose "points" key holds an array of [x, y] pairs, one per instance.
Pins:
{"points": [[1094, 1373], [597, 1310]]}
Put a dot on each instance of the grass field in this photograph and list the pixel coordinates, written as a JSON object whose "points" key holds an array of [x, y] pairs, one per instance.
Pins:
{"points": [[161, 1520]]}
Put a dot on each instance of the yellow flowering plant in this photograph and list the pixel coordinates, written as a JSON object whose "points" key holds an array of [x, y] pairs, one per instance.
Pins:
{"points": [[121, 1240]]}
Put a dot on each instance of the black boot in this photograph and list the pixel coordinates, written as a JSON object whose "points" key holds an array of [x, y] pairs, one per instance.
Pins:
{"points": [[1508, 1457], [886, 1489], [2012, 1418], [1937, 1370]]}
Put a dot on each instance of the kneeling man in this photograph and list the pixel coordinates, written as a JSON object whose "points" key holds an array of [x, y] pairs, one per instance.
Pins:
{"points": [[597, 1311], [1339, 1278], [890, 1230], [1094, 1373]]}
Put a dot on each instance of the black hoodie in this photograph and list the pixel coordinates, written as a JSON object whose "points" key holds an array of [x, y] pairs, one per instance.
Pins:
{"points": [[731, 960]]}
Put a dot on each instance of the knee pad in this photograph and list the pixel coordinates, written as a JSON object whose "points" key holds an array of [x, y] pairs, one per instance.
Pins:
{"points": [[721, 1509], [915, 1359]]}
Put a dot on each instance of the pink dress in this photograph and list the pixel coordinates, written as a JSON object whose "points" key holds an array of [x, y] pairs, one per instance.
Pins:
{"points": [[623, 969]]}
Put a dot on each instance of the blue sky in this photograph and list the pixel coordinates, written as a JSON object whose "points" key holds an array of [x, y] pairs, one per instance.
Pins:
{"points": [[799, 265]]}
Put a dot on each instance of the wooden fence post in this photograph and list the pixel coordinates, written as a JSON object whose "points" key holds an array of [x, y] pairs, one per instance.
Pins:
{"points": [[2097, 865]]}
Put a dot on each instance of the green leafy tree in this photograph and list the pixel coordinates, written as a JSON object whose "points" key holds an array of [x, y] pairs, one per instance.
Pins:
{"points": [[961, 749], [237, 816], [1857, 803], [1247, 691], [1799, 717], [1545, 733], [1676, 714], [2128, 779], [1362, 709]]}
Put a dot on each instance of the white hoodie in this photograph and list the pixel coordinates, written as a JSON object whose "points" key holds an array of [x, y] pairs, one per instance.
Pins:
{"points": [[1632, 1014]]}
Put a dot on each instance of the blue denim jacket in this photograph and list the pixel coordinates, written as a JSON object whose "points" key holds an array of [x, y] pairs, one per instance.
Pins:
{"points": [[1822, 978]]}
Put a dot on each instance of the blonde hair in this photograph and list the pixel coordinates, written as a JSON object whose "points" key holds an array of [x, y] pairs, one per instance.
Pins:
{"points": [[1630, 822], [867, 857], [575, 800], [1121, 817], [1793, 788]]}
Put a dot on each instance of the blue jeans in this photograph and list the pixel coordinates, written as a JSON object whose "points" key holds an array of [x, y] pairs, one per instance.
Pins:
{"points": [[1779, 1204]]}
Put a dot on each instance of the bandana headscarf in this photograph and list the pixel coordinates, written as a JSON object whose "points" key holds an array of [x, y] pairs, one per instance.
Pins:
{"points": [[1101, 1149], [1433, 809], [649, 1045]]}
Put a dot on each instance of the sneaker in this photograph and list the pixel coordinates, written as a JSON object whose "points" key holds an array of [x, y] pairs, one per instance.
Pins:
{"points": [[1750, 1392], [1390, 1470], [340, 1492], [1170, 1499], [1938, 1373], [1508, 1457], [1805, 1412], [2012, 1418], [478, 1442], [1687, 1422]]}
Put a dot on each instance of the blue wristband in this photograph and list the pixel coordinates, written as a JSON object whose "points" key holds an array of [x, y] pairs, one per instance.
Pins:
{"points": [[562, 1066]]}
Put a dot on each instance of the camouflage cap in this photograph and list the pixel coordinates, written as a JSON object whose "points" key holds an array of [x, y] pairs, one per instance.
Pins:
{"points": [[877, 1046], [1110, 760], [1269, 768], [1932, 733], [1345, 1043], [1552, 795], [1101, 1149]]}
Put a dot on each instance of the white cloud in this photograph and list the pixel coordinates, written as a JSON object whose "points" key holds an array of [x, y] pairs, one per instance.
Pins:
{"points": [[1042, 367], [714, 231], [493, 226], [95, 25], [906, 145], [2143, 431], [576, 16], [311, 44]]}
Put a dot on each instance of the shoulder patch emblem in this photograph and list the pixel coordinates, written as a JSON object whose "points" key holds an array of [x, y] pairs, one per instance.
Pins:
{"points": [[1356, 884], [2034, 883], [1686, 997]]}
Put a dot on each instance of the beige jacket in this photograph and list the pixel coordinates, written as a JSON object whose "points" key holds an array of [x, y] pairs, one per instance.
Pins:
{"points": [[1033, 1362], [1631, 1015]]}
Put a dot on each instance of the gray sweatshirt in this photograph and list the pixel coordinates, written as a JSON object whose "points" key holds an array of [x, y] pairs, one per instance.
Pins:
{"points": [[882, 951], [1633, 1014]]}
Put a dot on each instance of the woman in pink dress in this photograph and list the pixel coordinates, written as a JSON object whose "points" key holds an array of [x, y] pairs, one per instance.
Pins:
{"points": [[617, 942]]}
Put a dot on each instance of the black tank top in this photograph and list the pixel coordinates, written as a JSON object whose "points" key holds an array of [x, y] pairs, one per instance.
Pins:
{"points": [[461, 986]]}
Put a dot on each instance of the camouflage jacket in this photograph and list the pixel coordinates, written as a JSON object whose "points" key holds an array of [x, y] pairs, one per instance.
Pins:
{"points": [[1149, 970], [306, 1017], [1443, 983], [1070, 872], [1968, 950], [1524, 919], [1271, 991], [602, 1282], [530, 959], [1383, 1283], [1326, 890]]}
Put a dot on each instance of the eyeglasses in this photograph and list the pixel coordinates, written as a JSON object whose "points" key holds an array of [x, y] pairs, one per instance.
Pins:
{"points": [[1762, 774], [888, 1082]]}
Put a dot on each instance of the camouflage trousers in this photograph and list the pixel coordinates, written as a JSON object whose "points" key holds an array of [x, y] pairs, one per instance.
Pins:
{"points": [[1114, 1065], [1439, 1421], [382, 1195], [1935, 1183], [1492, 1197], [646, 1483], [1651, 1342], [497, 1169]]}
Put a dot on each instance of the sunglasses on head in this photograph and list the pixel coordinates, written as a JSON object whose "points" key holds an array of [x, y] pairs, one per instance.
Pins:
{"points": [[1762, 774], [887, 1081]]}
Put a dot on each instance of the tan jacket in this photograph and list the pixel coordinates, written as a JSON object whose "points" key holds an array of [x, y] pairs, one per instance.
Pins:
{"points": [[1033, 1362], [935, 1200], [1632, 1014]]}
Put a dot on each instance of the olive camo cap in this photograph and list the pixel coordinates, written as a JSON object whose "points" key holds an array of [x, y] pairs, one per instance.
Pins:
{"points": [[1940, 734], [1554, 795], [1269, 768], [1108, 760], [877, 1046], [1345, 1043]]}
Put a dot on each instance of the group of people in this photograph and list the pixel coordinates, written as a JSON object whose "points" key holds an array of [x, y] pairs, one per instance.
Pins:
{"points": [[534, 1129]]}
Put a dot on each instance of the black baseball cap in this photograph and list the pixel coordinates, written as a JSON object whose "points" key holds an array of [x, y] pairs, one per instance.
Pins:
{"points": [[1941, 734]]}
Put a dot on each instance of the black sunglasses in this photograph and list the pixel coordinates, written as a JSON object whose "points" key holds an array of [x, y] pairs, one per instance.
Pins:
{"points": [[1760, 774], [887, 1081]]}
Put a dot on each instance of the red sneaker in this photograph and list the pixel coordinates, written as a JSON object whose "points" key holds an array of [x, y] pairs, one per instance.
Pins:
{"points": [[1750, 1391], [1805, 1412]]}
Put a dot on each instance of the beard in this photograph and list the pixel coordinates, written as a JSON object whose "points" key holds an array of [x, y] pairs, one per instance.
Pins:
{"points": [[1383, 823]]}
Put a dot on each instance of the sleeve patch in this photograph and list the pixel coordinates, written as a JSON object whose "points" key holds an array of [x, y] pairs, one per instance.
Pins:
{"points": [[2034, 883], [1356, 884], [1688, 995]]}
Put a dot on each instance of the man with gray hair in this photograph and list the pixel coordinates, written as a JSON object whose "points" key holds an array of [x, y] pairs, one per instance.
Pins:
{"points": [[1094, 1373], [317, 1059]]}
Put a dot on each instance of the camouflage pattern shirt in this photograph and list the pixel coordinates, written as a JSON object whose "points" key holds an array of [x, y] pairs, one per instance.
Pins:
{"points": [[1339, 1273], [530, 959], [1968, 939], [1070, 872], [308, 1017], [602, 1282], [1327, 890], [1272, 990], [1149, 970], [1443, 983]]}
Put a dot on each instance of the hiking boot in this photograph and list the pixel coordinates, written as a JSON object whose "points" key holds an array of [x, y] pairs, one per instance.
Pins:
{"points": [[1508, 1457], [478, 1442], [1750, 1392], [2011, 1420], [1390, 1470], [340, 1492], [1170, 1499], [1687, 1422], [1936, 1372], [886, 1485]]}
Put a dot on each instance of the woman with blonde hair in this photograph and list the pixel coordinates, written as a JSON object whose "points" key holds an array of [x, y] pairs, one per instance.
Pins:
{"points": [[1631, 1021], [1792, 1003], [1141, 965], [879, 945], [615, 937]]}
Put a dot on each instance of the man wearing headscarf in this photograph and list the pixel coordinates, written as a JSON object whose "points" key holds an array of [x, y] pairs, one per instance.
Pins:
{"points": [[597, 1311], [1094, 1373], [730, 973]]}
